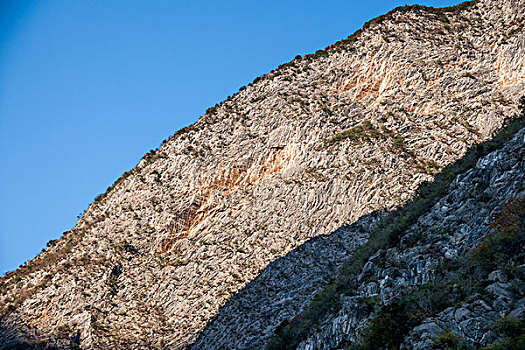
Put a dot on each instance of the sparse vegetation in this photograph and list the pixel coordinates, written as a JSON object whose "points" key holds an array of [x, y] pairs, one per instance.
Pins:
{"points": [[512, 331], [399, 143], [447, 341], [125, 246], [507, 240], [365, 131], [51, 242]]}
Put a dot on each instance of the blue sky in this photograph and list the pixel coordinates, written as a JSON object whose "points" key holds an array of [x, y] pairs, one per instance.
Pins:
{"points": [[88, 86]]}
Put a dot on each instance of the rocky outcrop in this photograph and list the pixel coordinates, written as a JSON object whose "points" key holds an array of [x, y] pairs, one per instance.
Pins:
{"points": [[451, 233], [282, 289], [309, 147]]}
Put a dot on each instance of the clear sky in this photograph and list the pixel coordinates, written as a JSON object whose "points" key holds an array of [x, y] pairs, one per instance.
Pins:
{"points": [[88, 86]]}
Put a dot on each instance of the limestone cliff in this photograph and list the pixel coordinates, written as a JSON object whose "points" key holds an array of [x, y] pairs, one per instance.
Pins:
{"points": [[444, 272], [303, 150]]}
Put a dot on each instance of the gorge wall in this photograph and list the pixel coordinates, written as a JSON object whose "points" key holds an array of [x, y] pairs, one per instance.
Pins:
{"points": [[303, 150]]}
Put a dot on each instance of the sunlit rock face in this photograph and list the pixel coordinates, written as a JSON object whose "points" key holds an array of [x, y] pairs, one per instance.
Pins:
{"points": [[303, 150]]}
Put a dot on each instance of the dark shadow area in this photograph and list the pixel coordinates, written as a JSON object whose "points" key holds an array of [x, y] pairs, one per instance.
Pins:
{"points": [[17, 339], [284, 286]]}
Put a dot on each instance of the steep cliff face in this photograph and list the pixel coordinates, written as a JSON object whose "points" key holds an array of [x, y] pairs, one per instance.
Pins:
{"points": [[303, 150], [392, 268], [452, 276]]}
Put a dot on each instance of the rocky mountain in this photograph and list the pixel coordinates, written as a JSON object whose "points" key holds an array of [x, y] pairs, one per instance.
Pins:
{"points": [[308, 148], [450, 280]]}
